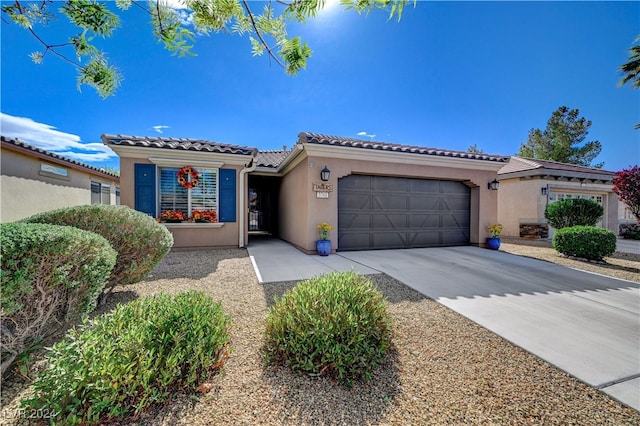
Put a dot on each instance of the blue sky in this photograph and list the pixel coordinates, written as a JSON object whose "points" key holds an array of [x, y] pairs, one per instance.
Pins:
{"points": [[449, 75]]}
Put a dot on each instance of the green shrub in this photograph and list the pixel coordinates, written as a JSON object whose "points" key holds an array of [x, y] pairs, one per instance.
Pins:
{"points": [[573, 212], [136, 356], [631, 235], [140, 241], [334, 324], [585, 241], [50, 275]]}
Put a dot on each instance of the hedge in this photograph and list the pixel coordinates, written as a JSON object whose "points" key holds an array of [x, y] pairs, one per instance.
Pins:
{"points": [[50, 275], [140, 241]]}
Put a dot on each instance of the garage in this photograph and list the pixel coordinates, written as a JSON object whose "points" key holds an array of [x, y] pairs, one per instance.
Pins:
{"points": [[383, 212]]}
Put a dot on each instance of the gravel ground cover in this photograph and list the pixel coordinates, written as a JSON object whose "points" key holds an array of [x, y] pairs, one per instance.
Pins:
{"points": [[444, 369]]}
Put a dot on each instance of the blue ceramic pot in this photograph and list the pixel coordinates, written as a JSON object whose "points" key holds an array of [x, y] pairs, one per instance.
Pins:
{"points": [[323, 247], [493, 243]]}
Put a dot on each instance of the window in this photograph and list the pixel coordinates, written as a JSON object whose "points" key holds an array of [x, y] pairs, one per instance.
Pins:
{"points": [[100, 193], [557, 196], [173, 196], [53, 171], [117, 195]]}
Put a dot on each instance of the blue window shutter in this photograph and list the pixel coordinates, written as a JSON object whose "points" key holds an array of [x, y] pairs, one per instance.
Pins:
{"points": [[227, 201], [145, 188]]}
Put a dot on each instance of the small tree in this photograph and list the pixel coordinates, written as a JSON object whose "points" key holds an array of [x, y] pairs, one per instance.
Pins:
{"points": [[627, 185], [563, 140], [573, 212], [473, 149]]}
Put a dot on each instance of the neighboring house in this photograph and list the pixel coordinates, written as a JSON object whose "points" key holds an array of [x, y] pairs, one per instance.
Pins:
{"points": [[35, 180], [377, 195], [527, 186]]}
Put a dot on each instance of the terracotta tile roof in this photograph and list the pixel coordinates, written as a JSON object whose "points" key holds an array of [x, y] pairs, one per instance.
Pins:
{"points": [[176, 144], [25, 147], [522, 164], [306, 137], [271, 158]]}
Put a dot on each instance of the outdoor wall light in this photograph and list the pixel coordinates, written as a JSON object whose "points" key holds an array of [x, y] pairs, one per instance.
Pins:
{"points": [[543, 190], [324, 174], [493, 185]]}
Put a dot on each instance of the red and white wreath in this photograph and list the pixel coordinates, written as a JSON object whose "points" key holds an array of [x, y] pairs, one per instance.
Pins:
{"points": [[183, 177]]}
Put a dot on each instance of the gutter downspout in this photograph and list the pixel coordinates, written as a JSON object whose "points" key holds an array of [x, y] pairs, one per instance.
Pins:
{"points": [[243, 197]]}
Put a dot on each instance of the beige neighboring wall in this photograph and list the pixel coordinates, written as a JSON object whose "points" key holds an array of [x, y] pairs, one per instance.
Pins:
{"points": [[301, 211], [521, 201], [25, 190]]}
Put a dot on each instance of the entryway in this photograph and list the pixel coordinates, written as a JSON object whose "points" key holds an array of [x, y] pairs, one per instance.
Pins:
{"points": [[263, 201]]}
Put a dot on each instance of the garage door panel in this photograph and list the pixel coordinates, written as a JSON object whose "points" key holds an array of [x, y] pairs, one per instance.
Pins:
{"points": [[389, 202], [418, 186], [423, 202], [355, 240], [420, 221], [357, 202], [455, 238], [426, 239], [456, 203], [354, 221], [384, 184], [389, 239], [455, 221], [390, 212], [356, 182], [383, 222], [453, 187]]}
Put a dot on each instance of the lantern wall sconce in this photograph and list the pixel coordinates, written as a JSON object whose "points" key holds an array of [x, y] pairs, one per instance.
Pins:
{"points": [[543, 190], [324, 174], [493, 185]]}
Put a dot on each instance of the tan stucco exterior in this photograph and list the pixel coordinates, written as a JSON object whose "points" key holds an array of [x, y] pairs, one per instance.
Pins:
{"points": [[521, 200], [26, 190], [186, 235], [300, 209]]}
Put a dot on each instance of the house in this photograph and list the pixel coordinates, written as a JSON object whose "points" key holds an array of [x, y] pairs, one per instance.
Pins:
{"points": [[35, 180], [376, 194], [527, 186]]}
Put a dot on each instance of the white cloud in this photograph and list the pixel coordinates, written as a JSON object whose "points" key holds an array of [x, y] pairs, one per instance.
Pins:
{"points": [[185, 15], [159, 128], [174, 4], [366, 134], [47, 137]]}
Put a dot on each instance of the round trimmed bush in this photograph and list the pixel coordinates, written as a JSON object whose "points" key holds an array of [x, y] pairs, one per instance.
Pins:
{"points": [[140, 241], [50, 275], [334, 324], [585, 241], [138, 355], [573, 212]]}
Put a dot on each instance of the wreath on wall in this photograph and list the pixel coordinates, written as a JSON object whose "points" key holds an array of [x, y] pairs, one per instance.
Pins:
{"points": [[183, 177]]}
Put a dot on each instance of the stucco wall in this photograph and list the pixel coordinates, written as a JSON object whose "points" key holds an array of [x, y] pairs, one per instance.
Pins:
{"points": [[294, 206], [26, 191], [521, 201], [301, 211], [202, 235], [186, 235]]}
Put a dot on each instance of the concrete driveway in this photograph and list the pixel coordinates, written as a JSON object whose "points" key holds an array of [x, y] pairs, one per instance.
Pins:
{"points": [[585, 324]]}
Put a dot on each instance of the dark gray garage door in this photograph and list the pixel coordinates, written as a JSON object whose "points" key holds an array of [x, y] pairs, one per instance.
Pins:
{"points": [[380, 212]]}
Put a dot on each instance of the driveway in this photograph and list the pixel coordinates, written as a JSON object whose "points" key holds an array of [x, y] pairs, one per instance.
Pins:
{"points": [[585, 324]]}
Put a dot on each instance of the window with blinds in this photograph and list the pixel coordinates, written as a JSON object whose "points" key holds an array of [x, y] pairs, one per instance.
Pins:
{"points": [[175, 197], [100, 193]]}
